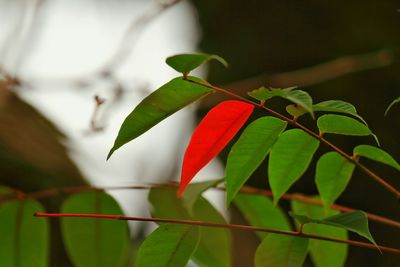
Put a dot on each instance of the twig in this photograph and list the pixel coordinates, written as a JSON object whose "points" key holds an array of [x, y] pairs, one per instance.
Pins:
{"points": [[220, 225], [310, 132], [244, 190]]}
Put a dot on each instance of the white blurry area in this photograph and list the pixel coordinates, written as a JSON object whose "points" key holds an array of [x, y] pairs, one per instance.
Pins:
{"points": [[70, 39]]}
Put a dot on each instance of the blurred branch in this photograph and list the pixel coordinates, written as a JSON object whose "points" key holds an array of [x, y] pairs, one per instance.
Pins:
{"points": [[308, 76]]}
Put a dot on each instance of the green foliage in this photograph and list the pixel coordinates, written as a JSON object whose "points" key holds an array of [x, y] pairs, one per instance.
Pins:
{"points": [[259, 211], [355, 221], [338, 106], [290, 157], [169, 245], [159, 105], [376, 154], [323, 253], [185, 63], [298, 97], [194, 191], [394, 102], [24, 238], [90, 241], [332, 175], [279, 250], [249, 151]]}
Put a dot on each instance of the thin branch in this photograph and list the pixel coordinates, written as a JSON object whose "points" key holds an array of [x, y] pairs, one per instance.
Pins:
{"points": [[220, 225], [244, 190], [310, 132]]}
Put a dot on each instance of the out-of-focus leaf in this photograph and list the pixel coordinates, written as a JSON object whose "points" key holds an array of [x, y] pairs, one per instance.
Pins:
{"points": [[355, 221], [214, 248], [332, 175], [338, 106], [94, 242], [185, 63], [289, 159], [170, 245], [281, 250], [193, 191], [213, 133], [295, 110], [249, 151], [376, 154], [298, 97], [394, 102], [323, 253], [259, 211], [24, 238], [159, 105], [165, 204]]}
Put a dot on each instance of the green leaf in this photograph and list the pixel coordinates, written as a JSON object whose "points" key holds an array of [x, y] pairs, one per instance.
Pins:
{"points": [[280, 250], [170, 245], [24, 238], [214, 245], [323, 253], [338, 124], [355, 221], [295, 110], [185, 63], [214, 248], [249, 151], [159, 105], [94, 242], [394, 102], [259, 211], [298, 97], [289, 159], [194, 191], [338, 106], [376, 154], [332, 175]]}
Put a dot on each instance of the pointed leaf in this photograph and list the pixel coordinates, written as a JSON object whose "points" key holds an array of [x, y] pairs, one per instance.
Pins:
{"points": [[323, 253], [289, 159], [376, 154], [214, 248], [298, 97], [170, 245], [259, 211], [355, 221], [24, 238], [249, 151], [185, 63], [338, 106], [280, 250], [160, 104], [394, 102], [332, 175], [194, 191], [214, 132], [94, 242]]}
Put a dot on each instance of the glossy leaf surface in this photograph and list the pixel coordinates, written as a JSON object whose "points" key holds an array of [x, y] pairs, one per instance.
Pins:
{"points": [[94, 242], [338, 106], [332, 175], [249, 151], [24, 238], [280, 250], [377, 154], [185, 63], [355, 221], [289, 159], [259, 211], [213, 133], [323, 253], [170, 245], [157, 106]]}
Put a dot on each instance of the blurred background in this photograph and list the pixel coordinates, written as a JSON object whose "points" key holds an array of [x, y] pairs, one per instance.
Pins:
{"points": [[56, 56]]}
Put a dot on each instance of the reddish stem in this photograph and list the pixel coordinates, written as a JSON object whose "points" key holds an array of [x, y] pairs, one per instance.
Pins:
{"points": [[220, 225]]}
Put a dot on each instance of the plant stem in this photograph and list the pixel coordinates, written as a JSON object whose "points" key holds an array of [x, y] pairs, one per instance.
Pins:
{"points": [[219, 225], [244, 190], [310, 132]]}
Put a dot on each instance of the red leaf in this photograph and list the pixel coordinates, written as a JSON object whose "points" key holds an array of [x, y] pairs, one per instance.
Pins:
{"points": [[213, 133]]}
